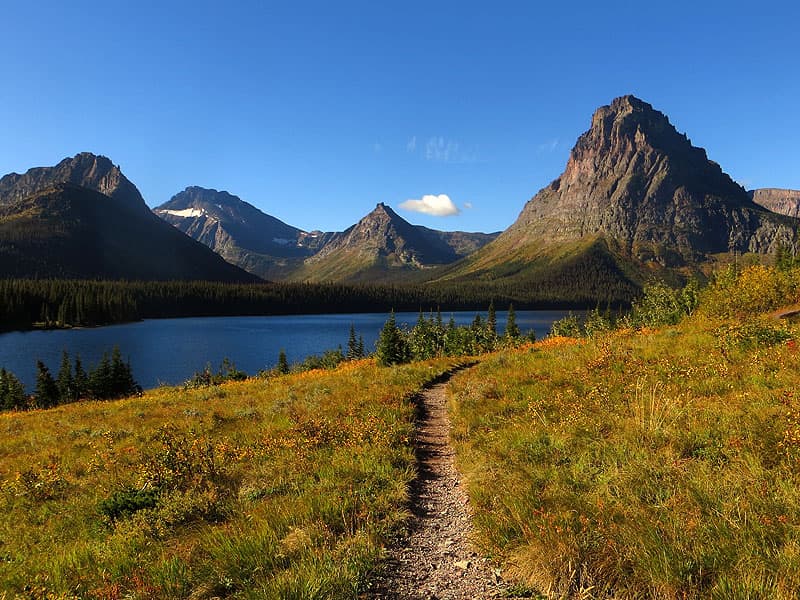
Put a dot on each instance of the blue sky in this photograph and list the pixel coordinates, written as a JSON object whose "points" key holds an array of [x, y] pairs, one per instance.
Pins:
{"points": [[316, 111]]}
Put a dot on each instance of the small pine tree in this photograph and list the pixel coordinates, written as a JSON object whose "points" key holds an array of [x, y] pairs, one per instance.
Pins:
{"points": [[121, 382], [80, 380], [491, 320], [65, 381], [391, 348], [360, 347], [12, 392], [352, 344], [512, 331], [46, 388], [100, 382], [283, 364]]}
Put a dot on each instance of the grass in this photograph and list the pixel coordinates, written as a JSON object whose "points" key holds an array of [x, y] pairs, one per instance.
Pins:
{"points": [[278, 488], [662, 464]]}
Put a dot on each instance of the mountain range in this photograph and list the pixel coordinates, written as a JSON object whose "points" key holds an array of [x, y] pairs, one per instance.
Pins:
{"points": [[636, 198]]}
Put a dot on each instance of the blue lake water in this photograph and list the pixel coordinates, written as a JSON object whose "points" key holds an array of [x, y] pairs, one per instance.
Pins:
{"points": [[170, 351]]}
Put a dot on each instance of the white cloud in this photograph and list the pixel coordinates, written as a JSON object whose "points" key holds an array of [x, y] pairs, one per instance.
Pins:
{"points": [[467, 205], [550, 146], [430, 204], [441, 149], [412, 144]]}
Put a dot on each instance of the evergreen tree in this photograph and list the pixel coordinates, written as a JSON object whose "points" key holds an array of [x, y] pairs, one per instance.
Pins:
{"points": [[283, 364], [491, 320], [391, 348], [121, 379], [46, 389], [100, 386], [360, 347], [12, 392], [80, 380], [352, 344], [65, 381], [512, 331]]}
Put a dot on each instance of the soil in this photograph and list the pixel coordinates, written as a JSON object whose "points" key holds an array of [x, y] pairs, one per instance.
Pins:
{"points": [[435, 560]]}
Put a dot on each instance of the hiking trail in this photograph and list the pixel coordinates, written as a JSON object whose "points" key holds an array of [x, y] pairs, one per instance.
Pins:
{"points": [[435, 559]]}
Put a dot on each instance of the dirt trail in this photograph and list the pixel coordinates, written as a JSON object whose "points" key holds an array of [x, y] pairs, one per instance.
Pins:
{"points": [[435, 561]]}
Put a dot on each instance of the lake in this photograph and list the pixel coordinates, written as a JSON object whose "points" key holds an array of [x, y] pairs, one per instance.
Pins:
{"points": [[170, 351]]}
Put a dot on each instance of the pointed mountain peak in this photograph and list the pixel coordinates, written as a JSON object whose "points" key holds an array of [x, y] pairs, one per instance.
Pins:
{"points": [[634, 178]]}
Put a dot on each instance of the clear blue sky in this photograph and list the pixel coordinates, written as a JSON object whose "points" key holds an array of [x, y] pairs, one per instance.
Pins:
{"points": [[316, 111]]}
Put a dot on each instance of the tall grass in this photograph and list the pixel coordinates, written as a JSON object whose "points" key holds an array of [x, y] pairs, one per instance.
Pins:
{"points": [[278, 488], [661, 464]]}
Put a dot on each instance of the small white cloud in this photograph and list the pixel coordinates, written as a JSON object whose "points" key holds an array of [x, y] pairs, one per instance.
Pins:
{"points": [[430, 204], [467, 205], [449, 151], [411, 146], [550, 146]]}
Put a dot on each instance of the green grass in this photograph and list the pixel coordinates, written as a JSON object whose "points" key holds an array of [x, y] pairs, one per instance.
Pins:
{"points": [[278, 488], [640, 465]]}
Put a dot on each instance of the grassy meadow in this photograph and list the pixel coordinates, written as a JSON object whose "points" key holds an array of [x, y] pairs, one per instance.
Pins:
{"points": [[277, 488], [660, 463]]}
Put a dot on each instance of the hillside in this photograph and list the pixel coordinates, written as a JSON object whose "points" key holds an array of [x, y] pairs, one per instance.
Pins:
{"points": [[659, 463], [84, 219], [285, 490], [654, 199]]}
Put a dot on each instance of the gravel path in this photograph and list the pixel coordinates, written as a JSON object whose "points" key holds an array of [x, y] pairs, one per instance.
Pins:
{"points": [[435, 561]]}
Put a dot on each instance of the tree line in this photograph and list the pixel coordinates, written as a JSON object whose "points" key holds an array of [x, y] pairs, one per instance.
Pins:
{"points": [[110, 378], [431, 338], [51, 303]]}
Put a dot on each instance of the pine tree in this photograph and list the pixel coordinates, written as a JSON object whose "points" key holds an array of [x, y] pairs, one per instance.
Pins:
{"points": [[46, 389], [360, 347], [80, 380], [352, 344], [12, 392], [283, 364], [512, 331], [391, 348], [491, 321], [121, 379], [65, 381], [100, 379]]}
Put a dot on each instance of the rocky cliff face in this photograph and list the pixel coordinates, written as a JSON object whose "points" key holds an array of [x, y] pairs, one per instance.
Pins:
{"points": [[84, 170], [784, 202], [633, 178]]}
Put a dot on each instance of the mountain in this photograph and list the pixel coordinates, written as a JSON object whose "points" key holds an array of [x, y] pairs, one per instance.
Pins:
{"points": [[84, 219], [635, 195], [384, 246], [239, 232], [85, 170], [784, 202]]}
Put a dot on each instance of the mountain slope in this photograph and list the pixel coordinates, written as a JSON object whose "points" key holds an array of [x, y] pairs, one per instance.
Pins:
{"points": [[784, 202], [633, 181], [384, 246], [84, 219]]}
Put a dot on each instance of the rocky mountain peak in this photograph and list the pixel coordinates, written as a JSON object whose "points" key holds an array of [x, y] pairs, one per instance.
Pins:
{"points": [[634, 178], [87, 170]]}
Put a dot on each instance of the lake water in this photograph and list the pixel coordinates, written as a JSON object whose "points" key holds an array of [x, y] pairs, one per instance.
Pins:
{"points": [[170, 351]]}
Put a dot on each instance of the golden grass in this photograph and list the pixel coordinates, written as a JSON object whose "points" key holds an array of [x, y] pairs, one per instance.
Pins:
{"points": [[278, 488], [662, 464]]}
